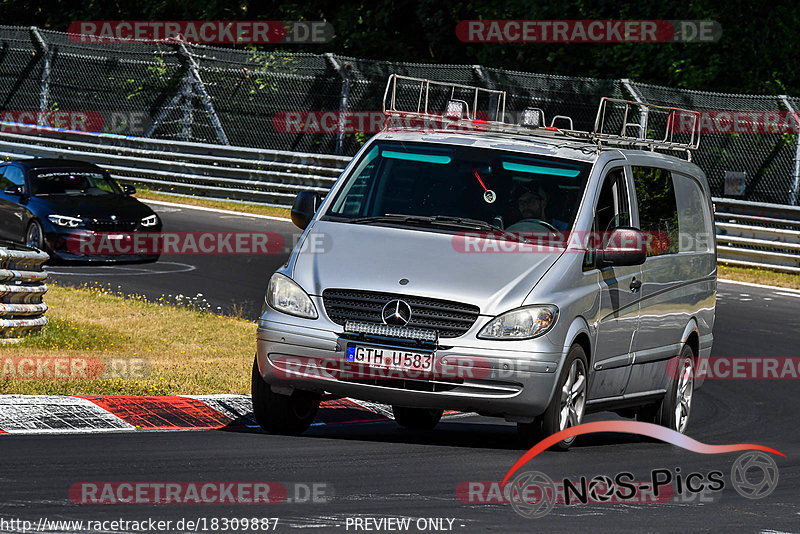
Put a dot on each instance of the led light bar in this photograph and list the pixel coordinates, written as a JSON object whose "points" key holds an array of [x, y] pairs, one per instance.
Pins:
{"points": [[376, 329]]}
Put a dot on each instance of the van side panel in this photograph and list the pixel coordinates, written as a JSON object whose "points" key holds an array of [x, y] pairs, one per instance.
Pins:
{"points": [[678, 288]]}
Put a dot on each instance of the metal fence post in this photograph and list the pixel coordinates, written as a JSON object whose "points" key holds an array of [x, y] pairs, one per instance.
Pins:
{"points": [[200, 88], [628, 85], [44, 90], [343, 100], [191, 86], [794, 192], [483, 76]]}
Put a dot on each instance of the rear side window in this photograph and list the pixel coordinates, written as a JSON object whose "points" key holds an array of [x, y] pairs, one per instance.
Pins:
{"points": [[694, 217], [658, 209], [11, 176]]}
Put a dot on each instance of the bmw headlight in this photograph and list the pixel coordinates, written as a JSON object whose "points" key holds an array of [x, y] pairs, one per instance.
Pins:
{"points": [[63, 220], [523, 323], [150, 220], [286, 296]]}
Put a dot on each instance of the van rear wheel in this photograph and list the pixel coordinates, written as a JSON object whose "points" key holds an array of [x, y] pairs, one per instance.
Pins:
{"points": [[282, 414], [417, 418], [674, 410]]}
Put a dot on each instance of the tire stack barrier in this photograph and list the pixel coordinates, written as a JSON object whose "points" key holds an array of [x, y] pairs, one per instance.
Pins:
{"points": [[22, 289]]}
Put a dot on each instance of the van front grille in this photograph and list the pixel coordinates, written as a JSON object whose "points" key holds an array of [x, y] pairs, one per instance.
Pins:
{"points": [[450, 319]]}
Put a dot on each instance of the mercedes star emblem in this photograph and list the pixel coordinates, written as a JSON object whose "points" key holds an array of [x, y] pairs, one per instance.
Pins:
{"points": [[396, 313]]}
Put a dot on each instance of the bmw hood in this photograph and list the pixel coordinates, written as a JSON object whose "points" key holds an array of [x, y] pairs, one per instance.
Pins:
{"points": [[459, 267], [125, 208]]}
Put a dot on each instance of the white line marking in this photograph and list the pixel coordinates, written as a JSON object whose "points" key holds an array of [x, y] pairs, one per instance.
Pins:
{"points": [[214, 210], [763, 286], [118, 270], [787, 294]]}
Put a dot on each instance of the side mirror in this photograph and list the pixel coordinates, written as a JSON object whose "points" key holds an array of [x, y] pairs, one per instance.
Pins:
{"points": [[622, 247], [128, 189], [13, 190], [304, 208]]}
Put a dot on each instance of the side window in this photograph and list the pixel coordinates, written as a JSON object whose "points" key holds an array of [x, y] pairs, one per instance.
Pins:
{"points": [[658, 209], [613, 208], [694, 219], [612, 211], [11, 176]]}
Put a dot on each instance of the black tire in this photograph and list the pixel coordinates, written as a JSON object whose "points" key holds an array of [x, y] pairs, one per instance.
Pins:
{"points": [[34, 236], [550, 421], [680, 393], [282, 414], [530, 433], [417, 418]]}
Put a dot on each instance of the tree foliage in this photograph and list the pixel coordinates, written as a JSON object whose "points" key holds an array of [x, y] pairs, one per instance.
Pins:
{"points": [[757, 53]]}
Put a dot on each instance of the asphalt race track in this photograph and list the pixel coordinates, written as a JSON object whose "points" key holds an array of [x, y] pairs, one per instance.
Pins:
{"points": [[234, 282], [378, 470]]}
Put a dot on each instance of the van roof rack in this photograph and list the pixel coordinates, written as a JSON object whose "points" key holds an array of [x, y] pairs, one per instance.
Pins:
{"points": [[619, 122]]}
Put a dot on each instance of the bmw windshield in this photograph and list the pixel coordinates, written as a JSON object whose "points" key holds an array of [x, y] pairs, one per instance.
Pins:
{"points": [[67, 182], [441, 186]]}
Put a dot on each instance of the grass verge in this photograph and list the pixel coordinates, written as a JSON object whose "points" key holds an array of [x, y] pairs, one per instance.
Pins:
{"points": [[244, 207], [759, 276], [111, 345]]}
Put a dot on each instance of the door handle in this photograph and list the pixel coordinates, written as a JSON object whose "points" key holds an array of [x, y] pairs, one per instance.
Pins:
{"points": [[636, 285]]}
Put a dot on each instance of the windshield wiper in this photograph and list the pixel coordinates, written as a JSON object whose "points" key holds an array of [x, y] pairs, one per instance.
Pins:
{"points": [[433, 220]]}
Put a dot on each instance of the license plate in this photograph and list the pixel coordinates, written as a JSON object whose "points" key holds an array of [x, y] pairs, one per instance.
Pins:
{"points": [[395, 359]]}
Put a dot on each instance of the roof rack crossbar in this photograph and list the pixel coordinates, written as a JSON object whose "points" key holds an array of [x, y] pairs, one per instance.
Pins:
{"points": [[599, 135]]}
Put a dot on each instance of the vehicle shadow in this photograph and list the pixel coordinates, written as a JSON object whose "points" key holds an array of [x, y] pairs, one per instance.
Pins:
{"points": [[482, 434]]}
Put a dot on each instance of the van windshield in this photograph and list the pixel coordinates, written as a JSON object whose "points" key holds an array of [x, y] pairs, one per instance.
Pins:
{"points": [[404, 183]]}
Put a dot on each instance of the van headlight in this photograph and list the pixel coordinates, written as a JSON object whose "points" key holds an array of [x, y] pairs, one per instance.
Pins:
{"points": [[523, 323], [286, 296]]}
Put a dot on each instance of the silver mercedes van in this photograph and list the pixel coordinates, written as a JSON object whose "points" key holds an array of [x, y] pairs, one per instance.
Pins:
{"points": [[517, 270]]}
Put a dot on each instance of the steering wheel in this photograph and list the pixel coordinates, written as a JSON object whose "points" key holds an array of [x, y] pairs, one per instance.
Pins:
{"points": [[527, 222]]}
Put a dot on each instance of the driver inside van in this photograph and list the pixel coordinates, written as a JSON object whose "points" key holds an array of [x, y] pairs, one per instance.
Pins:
{"points": [[529, 203]]}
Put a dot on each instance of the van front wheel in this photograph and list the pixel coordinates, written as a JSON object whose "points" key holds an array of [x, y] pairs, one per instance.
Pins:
{"points": [[417, 418], [568, 404], [282, 414]]}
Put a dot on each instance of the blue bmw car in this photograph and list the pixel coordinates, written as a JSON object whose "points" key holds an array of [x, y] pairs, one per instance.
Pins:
{"points": [[51, 203]]}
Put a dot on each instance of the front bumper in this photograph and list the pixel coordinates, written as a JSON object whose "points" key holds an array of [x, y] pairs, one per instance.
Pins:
{"points": [[515, 384], [64, 245]]}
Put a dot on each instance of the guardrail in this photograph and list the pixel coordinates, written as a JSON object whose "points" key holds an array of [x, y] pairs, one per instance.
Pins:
{"points": [[755, 234], [21, 291], [749, 234], [269, 177]]}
